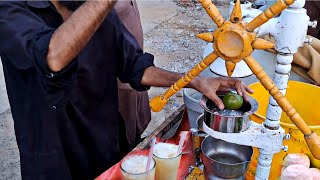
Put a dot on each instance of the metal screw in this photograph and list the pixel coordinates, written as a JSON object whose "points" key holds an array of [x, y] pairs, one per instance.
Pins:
{"points": [[285, 148], [313, 24], [287, 137], [308, 40]]}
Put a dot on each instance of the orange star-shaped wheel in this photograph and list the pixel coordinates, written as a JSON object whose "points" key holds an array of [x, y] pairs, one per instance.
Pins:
{"points": [[233, 41]]}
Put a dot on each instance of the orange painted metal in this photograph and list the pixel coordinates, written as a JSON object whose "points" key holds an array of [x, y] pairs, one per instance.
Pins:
{"points": [[313, 142], [236, 14], [212, 11], [233, 41], [262, 44], [230, 67], [206, 36], [157, 103]]}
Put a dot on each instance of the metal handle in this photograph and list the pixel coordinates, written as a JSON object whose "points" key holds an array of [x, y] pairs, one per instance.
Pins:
{"points": [[311, 138], [156, 104]]}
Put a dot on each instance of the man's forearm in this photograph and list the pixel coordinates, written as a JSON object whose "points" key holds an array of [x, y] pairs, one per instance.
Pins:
{"points": [[157, 77], [208, 86], [69, 39]]}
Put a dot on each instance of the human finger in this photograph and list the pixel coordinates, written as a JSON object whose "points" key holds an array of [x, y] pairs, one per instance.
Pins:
{"points": [[245, 95], [217, 101], [235, 84], [247, 89], [224, 89]]}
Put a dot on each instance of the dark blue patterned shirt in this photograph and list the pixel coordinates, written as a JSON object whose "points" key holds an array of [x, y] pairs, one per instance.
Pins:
{"points": [[67, 123]]}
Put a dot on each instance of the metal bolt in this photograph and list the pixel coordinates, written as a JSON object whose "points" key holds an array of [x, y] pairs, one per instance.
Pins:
{"points": [[308, 40], [285, 148], [313, 24], [287, 137]]}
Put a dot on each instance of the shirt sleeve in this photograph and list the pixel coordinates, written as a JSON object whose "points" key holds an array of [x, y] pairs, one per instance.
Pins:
{"points": [[25, 39], [132, 60]]}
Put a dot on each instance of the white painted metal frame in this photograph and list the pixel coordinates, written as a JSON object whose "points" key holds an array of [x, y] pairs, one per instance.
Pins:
{"points": [[289, 31]]}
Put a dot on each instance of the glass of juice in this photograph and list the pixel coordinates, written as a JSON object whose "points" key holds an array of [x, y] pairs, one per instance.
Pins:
{"points": [[133, 167], [167, 160]]}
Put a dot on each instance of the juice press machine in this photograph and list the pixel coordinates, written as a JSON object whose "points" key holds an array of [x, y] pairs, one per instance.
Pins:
{"points": [[234, 40]]}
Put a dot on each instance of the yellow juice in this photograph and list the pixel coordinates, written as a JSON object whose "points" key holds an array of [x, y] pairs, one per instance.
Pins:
{"points": [[167, 161]]}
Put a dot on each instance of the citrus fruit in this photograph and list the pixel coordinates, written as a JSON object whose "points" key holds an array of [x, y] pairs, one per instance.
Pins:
{"points": [[232, 101]]}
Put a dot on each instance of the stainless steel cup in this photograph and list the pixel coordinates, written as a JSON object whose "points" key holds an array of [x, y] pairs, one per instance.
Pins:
{"points": [[228, 121]]}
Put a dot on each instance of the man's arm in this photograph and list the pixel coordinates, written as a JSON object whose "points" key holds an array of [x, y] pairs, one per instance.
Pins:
{"points": [[208, 86], [69, 39]]}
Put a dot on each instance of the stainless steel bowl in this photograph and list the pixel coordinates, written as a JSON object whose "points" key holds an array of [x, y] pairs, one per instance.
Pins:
{"points": [[223, 159], [228, 121]]}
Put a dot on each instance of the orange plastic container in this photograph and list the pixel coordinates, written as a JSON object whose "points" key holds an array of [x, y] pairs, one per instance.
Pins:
{"points": [[304, 98]]}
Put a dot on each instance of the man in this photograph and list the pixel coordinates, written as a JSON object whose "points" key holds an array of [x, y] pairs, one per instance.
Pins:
{"points": [[61, 66], [133, 105]]}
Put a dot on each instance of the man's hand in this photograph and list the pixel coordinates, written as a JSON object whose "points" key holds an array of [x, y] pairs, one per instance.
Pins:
{"points": [[209, 86]]}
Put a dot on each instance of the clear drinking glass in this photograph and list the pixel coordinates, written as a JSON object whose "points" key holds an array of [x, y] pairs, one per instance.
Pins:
{"points": [[167, 161], [133, 168]]}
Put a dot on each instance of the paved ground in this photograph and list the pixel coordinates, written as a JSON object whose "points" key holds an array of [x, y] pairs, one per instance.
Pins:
{"points": [[9, 154], [155, 12], [4, 104]]}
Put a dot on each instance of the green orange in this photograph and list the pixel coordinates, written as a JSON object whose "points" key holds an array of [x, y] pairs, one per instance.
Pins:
{"points": [[232, 101]]}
